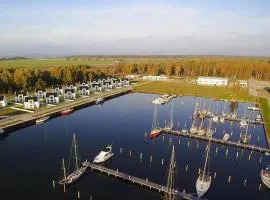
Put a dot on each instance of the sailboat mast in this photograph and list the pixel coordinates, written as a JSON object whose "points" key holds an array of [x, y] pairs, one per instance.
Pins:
{"points": [[206, 159], [64, 168], [155, 121], [170, 179], [75, 151], [172, 114]]}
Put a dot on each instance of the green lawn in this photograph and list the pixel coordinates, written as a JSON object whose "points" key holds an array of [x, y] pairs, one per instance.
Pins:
{"points": [[10, 111], [54, 62], [266, 115], [180, 88]]}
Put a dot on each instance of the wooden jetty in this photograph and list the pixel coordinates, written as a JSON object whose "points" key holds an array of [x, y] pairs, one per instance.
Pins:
{"points": [[139, 181], [219, 141], [228, 118]]}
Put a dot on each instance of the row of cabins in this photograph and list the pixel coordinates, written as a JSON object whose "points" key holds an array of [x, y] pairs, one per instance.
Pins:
{"points": [[69, 93]]}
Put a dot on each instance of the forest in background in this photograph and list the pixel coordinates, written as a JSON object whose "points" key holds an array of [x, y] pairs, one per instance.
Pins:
{"points": [[12, 79]]}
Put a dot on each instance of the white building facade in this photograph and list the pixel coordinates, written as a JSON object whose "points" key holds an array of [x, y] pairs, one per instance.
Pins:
{"points": [[155, 78], [3, 101], [212, 81], [52, 98], [69, 94], [31, 103], [40, 93], [20, 97], [84, 90]]}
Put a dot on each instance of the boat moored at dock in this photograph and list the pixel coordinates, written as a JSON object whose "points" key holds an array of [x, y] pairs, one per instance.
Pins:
{"points": [[226, 137], [99, 100], [204, 180], [42, 120], [67, 111], [75, 162], [156, 130], [104, 155], [2, 132], [253, 108], [265, 176]]}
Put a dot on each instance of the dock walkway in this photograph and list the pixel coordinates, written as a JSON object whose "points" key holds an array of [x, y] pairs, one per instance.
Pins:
{"points": [[219, 141], [138, 181]]}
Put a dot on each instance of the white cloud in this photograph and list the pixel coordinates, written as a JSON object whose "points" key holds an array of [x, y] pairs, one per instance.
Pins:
{"points": [[141, 28]]}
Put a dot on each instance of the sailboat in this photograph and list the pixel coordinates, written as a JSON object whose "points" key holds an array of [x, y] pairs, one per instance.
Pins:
{"points": [[169, 126], [265, 176], [209, 131], [204, 180], [215, 117], [184, 130], [223, 111], [156, 130], [244, 138], [171, 191], [201, 130], [226, 136], [193, 129], [75, 169]]}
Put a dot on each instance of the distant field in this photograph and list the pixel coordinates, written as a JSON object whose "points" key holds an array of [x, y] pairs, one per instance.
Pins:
{"points": [[53, 62], [180, 88]]}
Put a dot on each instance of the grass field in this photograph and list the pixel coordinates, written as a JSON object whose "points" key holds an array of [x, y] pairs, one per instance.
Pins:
{"points": [[186, 89], [266, 115], [54, 62], [10, 111]]}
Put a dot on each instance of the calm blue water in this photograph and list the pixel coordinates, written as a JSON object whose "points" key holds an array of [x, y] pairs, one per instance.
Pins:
{"points": [[31, 157]]}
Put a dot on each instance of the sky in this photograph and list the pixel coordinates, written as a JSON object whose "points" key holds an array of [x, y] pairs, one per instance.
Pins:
{"points": [[145, 27]]}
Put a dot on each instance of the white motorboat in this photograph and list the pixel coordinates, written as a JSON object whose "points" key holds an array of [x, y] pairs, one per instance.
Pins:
{"points": [[2, 132], [209, 132], [215, 118], [265, 176], [226, 137], [42, 120], [258, 118], [234, 115], [243, 123], [158, 101], [222, 119], [104, 155], [245, 139], [184, 130], [253, 108], [201, 132], [99, 100], [193, 130]]}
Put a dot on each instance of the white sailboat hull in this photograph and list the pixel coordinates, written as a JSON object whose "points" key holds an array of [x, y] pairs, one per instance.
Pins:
{"points": [[73, 177], [202, 186], [201, 132], [265, 178]]}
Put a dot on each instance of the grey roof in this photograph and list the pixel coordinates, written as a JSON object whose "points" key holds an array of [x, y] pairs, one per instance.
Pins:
{"points": [[48, 94], [84, 87], [31, 98], [69, 90]]}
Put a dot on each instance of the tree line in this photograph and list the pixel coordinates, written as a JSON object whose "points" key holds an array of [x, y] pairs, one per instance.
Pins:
{"points": [[12, 79]]}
